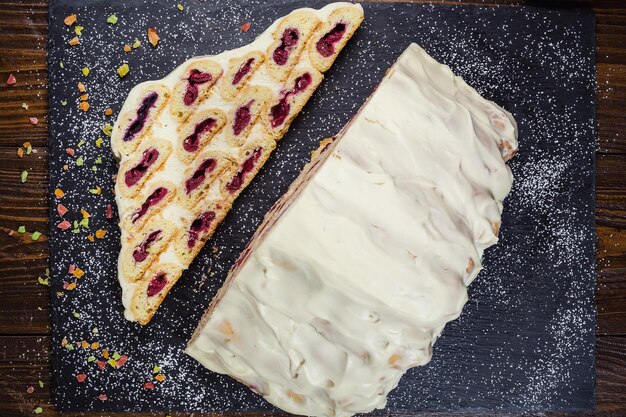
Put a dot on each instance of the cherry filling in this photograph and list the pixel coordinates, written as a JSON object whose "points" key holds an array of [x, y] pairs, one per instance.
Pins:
{"points": [[133, 175], [242, 71], [141, 252], [242, 118], [192, 142], [196, 77], [152, 200], [326, 45], [302, 82], [156, 284], [280, 111], [287, 42], [142, 114], [199, 226], [200, 175], [237, 181]]}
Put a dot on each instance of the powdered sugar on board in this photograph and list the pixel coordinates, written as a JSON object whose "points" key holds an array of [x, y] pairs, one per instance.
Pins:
{"points": [[525, 340]]}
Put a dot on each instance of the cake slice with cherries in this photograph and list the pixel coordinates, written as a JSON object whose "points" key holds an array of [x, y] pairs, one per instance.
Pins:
{"points": [[190, 143], [355, 271]]}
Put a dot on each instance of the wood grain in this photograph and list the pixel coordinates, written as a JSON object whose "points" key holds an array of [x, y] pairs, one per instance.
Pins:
{"points": [[23, 37], [24, 316], [24, 361]]}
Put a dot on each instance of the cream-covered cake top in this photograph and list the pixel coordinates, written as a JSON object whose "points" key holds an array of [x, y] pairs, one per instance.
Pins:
{"points": [[189, 143], [355, 272]]}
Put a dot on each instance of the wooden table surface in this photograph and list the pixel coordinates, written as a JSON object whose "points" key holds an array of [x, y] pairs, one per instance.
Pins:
{"points": [[24, 303]]}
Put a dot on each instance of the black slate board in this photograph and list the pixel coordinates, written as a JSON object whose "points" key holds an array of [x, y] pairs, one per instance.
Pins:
{"points": [[526, 338]]}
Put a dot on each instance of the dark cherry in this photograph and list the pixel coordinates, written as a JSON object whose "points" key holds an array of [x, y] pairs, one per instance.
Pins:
{"points": [[141, 252], [142, 114], [198, 77], [199, 226], [247, 166], [242, 118], [326, 45], [280, 111], [195, 77], [242, 71], [200, 175], [191, 94], [302, 82], [192, 142], [133, 175], [152, 200], [287, 42], [157, 283]]}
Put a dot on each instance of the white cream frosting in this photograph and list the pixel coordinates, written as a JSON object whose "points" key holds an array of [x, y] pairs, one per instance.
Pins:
{"points": [[355, 274], [165, 127]]}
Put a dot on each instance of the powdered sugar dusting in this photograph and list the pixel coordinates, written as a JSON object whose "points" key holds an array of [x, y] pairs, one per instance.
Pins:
{"points": [[525, 340]]}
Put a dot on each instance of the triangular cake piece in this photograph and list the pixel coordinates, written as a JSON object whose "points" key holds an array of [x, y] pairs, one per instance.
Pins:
{"points": [[357, 268], [190, 143]]}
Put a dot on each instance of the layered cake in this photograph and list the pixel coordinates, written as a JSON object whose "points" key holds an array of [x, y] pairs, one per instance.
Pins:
{"points": [[355, 271], [190, 143]]}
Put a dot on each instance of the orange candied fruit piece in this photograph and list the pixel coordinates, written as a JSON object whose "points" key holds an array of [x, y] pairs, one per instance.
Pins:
{"points": [[70, 20], [153, 37], [84, 105], [74, 41], [59, 193]]}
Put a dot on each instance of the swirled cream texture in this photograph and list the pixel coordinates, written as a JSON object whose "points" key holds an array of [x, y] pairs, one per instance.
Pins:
{"points": [[358, 268]]}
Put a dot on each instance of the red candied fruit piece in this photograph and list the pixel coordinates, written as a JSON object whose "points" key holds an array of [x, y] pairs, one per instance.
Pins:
{"points": [[199, 175], [192, 142], [198, 226], [326, 45], [133, 175], [287, 42], [61, 209], [121, 361], [157, 283], [64, 225]]}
